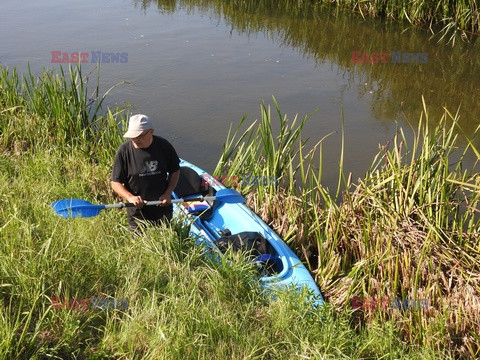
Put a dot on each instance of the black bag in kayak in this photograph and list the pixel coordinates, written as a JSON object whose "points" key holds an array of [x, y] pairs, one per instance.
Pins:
{"points": [[248, 241]]}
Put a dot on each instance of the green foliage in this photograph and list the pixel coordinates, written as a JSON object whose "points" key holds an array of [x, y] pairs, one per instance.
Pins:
{"points": [[55, 109], [180, 304]]}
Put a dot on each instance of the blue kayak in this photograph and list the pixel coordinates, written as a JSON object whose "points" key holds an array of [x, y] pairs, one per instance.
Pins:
{"points": [[218, 225]]}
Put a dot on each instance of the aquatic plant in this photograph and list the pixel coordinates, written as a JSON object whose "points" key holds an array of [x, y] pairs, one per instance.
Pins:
{"points": [[409, 228]]}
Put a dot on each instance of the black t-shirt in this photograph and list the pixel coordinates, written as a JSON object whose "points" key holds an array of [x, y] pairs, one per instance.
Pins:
{"points": [[144, 172]]}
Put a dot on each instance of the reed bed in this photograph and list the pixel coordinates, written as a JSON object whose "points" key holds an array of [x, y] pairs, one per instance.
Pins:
{"points": [[60, 110], [451, 17], [408, 229]]}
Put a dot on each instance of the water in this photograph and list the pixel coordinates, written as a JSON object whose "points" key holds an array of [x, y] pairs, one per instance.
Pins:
{"points": [[195, 67]]}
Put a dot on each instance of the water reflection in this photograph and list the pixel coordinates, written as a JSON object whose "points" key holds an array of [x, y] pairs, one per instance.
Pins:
{"points": [[450, 78]]}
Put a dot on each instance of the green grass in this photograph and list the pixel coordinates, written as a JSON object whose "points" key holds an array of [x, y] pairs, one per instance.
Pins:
{"points": [[181, 305]]}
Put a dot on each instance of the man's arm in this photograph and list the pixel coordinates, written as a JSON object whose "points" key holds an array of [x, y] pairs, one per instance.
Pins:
{"points": [[122, 191], [172, 183]]}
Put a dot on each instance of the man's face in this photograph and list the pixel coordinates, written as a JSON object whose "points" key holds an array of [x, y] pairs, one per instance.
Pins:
{"points": [[143, 140]]}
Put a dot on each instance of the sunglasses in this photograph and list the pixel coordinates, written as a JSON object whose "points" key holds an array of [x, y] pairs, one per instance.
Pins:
{"points": [[141, 135]]}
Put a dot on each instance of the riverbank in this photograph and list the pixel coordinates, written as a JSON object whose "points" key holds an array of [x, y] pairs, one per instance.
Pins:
{"points": [[57, 143]]}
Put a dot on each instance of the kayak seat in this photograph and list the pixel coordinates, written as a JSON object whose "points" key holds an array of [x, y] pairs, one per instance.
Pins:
{"points": [[190, 185], [257, 249]]}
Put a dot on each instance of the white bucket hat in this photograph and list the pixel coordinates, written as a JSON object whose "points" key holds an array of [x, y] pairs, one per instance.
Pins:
{"points": [[137, 124]]}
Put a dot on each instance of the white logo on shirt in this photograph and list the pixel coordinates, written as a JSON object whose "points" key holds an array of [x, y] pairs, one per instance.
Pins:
{"points": [[151, 166]]}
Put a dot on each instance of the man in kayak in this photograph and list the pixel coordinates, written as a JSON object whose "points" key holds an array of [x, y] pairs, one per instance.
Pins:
{"points": [[145, 168]]}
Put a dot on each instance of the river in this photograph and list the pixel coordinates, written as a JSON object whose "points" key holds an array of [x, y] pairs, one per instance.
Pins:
{"points": [[197, 66]]}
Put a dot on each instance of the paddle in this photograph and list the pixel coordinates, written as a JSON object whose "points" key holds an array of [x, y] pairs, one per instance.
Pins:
{"points": [[72, 208]]}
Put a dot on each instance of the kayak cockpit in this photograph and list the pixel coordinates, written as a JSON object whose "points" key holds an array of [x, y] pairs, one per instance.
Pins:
{"points": [[256, 247]]}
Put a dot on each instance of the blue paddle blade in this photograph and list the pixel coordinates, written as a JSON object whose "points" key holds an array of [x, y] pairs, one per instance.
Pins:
{"points": [[72, 208]]}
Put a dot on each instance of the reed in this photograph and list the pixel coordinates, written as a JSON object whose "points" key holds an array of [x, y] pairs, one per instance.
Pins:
{"points": [[409, 228], [180, 305], [452, 18], [60, 108]]}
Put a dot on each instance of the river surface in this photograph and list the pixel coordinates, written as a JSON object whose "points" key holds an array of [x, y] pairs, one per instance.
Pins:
{"points": [[197, 66]]}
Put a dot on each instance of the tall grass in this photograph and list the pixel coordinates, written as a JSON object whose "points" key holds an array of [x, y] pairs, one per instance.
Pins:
{"points": [[180, 305], [409, 228], [61, 110]]}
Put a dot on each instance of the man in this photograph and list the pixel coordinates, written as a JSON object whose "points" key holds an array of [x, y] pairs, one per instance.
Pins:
{"points": [[145, 168]]}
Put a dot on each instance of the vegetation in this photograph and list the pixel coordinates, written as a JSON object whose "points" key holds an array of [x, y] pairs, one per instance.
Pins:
{"points": [[180, 304], [453, 17], [408, 229]]}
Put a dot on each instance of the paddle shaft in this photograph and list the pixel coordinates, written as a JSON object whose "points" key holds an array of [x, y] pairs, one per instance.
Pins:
{"points": [[69, 208], [158, 202]]}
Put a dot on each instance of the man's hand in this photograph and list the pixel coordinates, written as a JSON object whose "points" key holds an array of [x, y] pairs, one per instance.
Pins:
{"points": [[137, 201], [121, 191], [166, 199]]}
